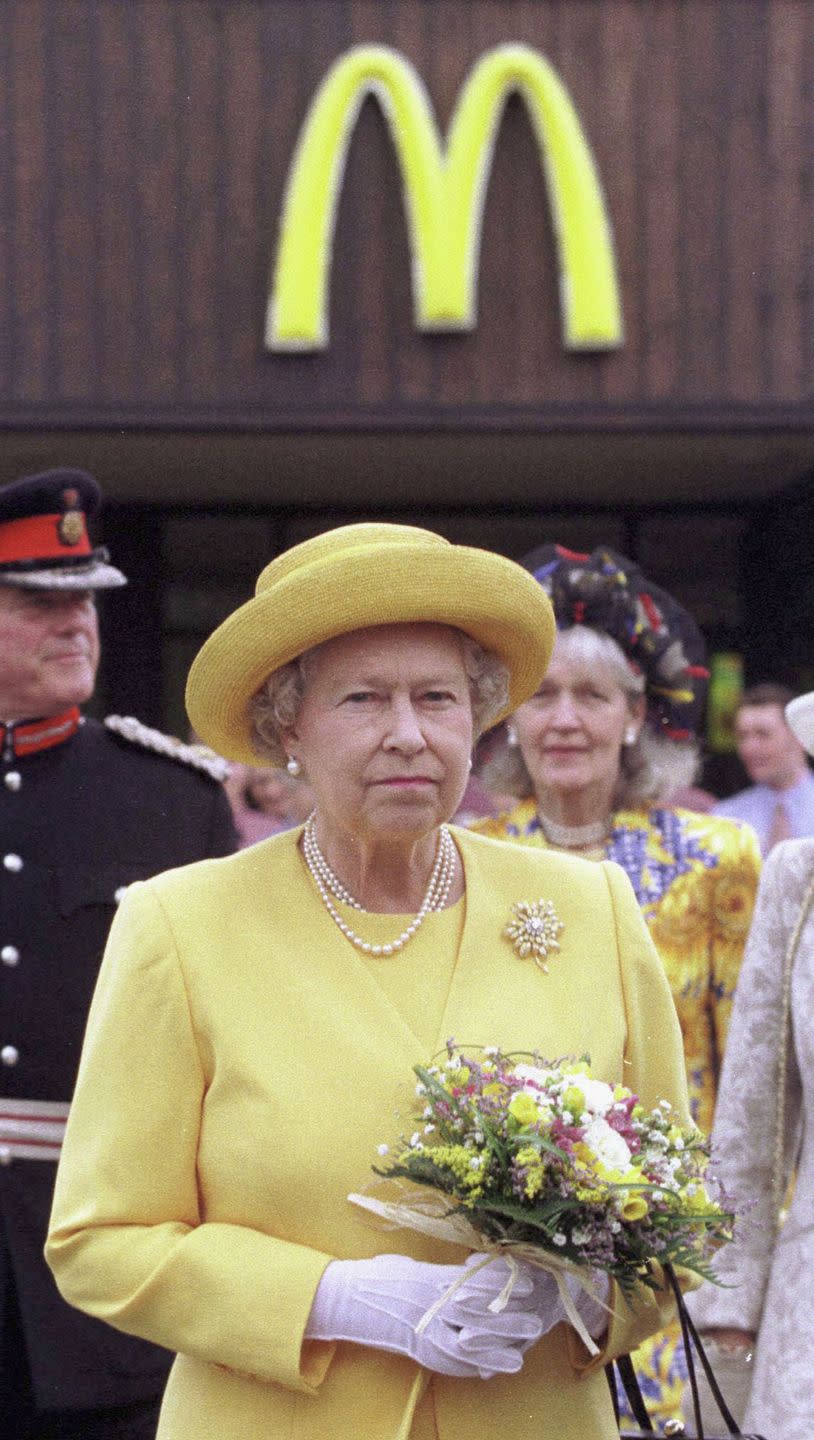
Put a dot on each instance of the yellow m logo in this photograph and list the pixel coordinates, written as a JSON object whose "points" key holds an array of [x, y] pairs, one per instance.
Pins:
{"points": [[444, 194]]}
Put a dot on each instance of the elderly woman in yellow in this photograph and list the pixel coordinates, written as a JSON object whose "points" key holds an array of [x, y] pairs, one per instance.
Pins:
{"points": [[594, 755], [256, 1019]]}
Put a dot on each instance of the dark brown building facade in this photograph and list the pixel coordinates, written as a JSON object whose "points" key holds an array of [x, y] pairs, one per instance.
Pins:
{"points": [[145, 151]]}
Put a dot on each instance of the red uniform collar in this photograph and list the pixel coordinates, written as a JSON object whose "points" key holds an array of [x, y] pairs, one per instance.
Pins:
{"points": [[26, 738]]}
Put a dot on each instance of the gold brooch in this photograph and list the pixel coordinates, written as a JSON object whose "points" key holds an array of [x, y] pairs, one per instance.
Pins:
{"points": [[534, 930]]}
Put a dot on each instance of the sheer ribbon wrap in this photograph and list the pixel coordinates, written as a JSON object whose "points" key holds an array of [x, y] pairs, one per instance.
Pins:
{"points": [[428, 1213]]}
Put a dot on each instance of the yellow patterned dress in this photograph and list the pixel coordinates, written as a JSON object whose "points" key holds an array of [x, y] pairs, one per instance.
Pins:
{"points": [[695, 877]]}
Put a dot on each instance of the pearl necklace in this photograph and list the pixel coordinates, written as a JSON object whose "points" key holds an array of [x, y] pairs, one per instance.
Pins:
{"points": [[574, 837], [327, 883]]}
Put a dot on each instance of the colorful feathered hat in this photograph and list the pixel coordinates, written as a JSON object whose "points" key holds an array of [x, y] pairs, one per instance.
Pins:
{"points": [[660, 639]]}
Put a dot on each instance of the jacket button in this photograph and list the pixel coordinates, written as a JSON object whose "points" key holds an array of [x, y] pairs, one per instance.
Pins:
{"points": [[12, 780], [13, 863], [10, 955], [9, 1054]]}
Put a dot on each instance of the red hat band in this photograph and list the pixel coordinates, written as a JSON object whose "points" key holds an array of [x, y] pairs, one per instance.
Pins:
{"points": [[44, 537]]}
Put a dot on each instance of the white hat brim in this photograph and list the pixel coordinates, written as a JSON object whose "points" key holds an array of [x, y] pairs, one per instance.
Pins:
{"points": [[800, 717], [96, 576]]}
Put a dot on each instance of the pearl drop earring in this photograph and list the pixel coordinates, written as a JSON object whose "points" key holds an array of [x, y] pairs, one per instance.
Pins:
{"points": [[511, 736], [293, 765], [631, 735]]}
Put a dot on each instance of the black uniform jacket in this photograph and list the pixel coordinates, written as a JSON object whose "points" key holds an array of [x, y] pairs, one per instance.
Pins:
{"points": [[78, 823]]}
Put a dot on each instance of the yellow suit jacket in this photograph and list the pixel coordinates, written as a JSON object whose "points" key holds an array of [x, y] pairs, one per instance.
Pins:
{"points": [[241, 1065]]}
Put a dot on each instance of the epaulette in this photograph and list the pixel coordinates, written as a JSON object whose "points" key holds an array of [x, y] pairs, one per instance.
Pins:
{"points": [[200, 757]]}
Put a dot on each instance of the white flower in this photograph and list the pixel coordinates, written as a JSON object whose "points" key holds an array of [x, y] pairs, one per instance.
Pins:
{"points": [[536, 1078], [383, 1149], [559, 1238], [420, 1089], [597, 1095], [415, 1141], [580, 1237], [491, 1050], [475, 1163], [428, 1129], [608, 1147]]}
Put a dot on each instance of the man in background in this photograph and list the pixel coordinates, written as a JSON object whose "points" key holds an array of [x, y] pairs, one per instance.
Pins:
{"points": [[779, 804], [86, 808]]}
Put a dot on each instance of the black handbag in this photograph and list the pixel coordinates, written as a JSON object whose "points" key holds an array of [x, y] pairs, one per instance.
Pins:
{"points": [[692, 1344]]}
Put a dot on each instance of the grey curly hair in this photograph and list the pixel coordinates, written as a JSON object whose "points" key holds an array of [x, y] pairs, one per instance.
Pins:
{"points": [[273, 707], [649, 770]]}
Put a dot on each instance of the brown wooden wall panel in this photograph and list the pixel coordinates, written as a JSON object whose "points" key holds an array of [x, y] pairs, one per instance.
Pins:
{"points": [[660, 208], [789, 232], [144, 146]]}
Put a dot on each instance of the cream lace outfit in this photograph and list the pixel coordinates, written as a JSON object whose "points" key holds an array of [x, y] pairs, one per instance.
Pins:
{"points": [[770, 1277]]}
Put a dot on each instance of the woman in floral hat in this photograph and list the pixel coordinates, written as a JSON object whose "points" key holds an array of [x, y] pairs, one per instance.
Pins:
{"points": [[593, 757], [256, 1020]]}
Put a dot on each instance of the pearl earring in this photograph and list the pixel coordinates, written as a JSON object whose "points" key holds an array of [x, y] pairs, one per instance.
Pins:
{"points": [[293, 765], [511, 736], [631, 735]]}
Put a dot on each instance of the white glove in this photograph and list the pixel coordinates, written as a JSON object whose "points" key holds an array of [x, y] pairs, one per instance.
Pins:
{"points": [[545, 1302], [379, 1302]]}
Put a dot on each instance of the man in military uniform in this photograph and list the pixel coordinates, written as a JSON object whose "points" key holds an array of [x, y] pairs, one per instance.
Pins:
{"points": [[85, 809]]}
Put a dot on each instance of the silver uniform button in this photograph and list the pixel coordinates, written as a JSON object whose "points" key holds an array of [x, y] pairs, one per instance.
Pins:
{"points": [[12, 780], [10, 955], [5, 1155], [13, 863], [9, 1054]]}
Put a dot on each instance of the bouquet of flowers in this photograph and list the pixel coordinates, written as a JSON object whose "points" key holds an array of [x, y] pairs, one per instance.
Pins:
{"points": [[546, 1163]]}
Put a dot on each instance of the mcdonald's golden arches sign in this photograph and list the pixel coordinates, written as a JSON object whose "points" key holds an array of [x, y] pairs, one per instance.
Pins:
{"points": [[444, 192]]}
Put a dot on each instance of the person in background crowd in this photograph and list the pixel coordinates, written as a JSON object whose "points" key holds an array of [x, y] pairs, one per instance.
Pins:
{"points": [[299, 982], [85, 809], [610, 733], [692, 797], [779, 804], [265, 801], [478, 801], [762, 1137]]}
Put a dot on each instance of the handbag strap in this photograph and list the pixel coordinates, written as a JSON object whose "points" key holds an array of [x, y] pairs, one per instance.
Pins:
{"points": [[692, 1342], [630, 1381], [692, 1339]]}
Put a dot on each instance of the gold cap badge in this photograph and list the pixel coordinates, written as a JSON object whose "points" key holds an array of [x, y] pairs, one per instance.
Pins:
{"points": [[71, 527]]}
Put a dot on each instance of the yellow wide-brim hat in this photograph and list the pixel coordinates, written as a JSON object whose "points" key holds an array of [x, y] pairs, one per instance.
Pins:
{"points": [[352, 578], [800, 717]]}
